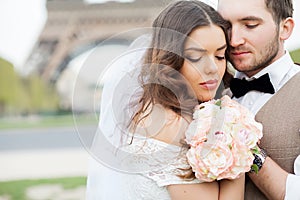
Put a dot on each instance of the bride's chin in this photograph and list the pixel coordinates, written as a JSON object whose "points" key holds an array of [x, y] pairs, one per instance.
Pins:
{"points": [[206, 97]]}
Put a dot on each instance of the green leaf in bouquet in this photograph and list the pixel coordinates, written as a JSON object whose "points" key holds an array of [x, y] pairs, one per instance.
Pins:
{"points": [[218, 103], [255, 150], [254, 168]]}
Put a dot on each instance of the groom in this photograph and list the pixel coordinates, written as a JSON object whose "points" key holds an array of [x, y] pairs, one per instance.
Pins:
{"points": [[259, 29]]}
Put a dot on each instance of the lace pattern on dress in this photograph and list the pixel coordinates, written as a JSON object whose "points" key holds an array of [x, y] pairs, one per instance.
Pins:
{"points": [[163, 163]]}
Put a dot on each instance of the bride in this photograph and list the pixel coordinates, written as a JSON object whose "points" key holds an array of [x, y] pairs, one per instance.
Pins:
{"points": [[184, 65]]}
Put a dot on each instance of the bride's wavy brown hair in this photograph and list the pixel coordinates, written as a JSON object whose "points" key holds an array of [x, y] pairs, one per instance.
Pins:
{"points": [[160, 78]]}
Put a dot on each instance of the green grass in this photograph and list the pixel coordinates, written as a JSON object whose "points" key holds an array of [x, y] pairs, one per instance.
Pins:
{"points": [[17, 189], [46, 121], [296, 55]]}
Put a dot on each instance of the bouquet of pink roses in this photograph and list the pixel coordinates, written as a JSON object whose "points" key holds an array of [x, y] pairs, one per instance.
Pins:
{"points": [[222, 137]]}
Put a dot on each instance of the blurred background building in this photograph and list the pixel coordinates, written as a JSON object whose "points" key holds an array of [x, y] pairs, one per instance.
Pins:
{"points": [[73, 29]]}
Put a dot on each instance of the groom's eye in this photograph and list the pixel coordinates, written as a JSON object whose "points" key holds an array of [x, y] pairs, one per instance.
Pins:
{"points": [[251, 26]]}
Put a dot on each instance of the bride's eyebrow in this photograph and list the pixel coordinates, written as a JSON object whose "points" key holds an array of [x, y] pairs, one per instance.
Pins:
{"points": [[204, 50], [195, 49], [222, 47]]}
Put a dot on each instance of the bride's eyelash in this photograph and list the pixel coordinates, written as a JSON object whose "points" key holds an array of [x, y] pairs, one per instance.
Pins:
{"points": [[193, 59], [220, 57]]}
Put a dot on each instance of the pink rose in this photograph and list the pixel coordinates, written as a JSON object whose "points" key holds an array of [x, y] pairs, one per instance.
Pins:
{"points": [[197, 132], [222, 136], [205, 110], [209, 160], [242, 161], [247, 137], [226, 101]]}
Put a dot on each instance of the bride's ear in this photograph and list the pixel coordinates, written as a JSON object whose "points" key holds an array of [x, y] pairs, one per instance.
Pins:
{"points": [[286, 28]]}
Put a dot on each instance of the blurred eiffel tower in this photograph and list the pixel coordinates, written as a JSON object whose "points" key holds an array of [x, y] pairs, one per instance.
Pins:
{"points": [[74, 26]]}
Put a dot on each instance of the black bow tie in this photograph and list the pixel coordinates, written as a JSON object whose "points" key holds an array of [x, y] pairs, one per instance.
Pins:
{"points": [[239, 87]]}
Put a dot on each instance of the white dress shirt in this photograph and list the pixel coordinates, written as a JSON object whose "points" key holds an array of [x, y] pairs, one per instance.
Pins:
{"points": [[280, 72]]}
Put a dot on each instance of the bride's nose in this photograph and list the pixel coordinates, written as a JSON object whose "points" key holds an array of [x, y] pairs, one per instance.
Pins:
{"points": [[210, 66]]}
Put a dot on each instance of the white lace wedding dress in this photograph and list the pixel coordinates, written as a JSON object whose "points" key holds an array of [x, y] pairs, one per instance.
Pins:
{"points": [[151, 166]]}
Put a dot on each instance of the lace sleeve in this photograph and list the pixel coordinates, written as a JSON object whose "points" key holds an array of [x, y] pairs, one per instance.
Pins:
{"points": [[163, 163]]}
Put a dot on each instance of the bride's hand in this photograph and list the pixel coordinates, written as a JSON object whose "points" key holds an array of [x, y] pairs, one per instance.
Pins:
{"points": [[232, 189], [205, 191]]}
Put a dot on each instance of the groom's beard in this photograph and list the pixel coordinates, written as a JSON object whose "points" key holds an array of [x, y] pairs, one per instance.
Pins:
{"points": [[257, 61]]}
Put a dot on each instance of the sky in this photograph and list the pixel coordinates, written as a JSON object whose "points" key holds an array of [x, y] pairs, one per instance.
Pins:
{"points": [[22, 21]]}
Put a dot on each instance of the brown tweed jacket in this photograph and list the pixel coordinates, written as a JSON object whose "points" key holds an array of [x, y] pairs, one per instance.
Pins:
{"points": [[280, 117]]}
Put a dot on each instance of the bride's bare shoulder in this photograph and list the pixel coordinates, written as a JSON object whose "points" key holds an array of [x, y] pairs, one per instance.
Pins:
{"points": [[163, 124]]}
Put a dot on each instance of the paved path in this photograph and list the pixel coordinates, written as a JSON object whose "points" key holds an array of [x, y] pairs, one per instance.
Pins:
{"points": [[46, 138], [42, 153], [33, 164]]}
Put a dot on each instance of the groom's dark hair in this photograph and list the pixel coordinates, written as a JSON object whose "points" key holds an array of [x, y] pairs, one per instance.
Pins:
{"points": [[280, 9]]}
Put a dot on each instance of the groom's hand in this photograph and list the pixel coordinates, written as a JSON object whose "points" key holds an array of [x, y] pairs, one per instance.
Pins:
{"points": [[271, 180]]}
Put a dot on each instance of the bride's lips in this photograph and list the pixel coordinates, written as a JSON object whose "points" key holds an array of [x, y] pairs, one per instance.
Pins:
{"points": [[209, 85]]}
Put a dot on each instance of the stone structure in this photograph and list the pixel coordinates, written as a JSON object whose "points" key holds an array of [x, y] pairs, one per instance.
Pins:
{"points": [[74, 26]]}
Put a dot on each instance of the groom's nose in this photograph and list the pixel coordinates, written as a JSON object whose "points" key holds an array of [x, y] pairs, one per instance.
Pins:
{"points": [[236, 36]]}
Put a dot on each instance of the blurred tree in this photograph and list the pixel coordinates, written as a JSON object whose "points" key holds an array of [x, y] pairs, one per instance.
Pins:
{"points": [[25, 95], [8, 86], [43, 96], [296, 55]]}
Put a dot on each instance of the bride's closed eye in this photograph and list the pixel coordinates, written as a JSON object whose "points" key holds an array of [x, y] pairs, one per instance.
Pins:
{"points": [[194, 54], [193, 59], [220, 57]]}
